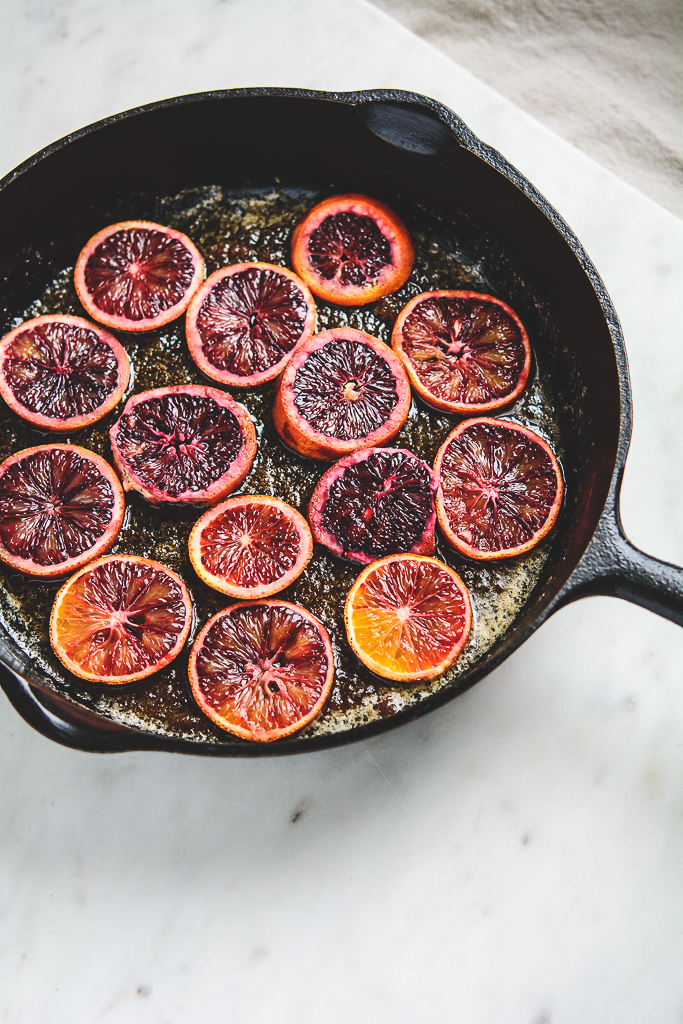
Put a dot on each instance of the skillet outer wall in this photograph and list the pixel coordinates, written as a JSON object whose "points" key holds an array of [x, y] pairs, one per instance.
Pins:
{"points": [[426, 141]]}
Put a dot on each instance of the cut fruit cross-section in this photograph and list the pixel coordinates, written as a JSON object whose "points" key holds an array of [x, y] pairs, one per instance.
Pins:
{"points": [[342, 390], [245, 321], [60, 507], [408, 617], [262, 670], [465, 353], [250, 546], [352, 250], [62, 373], [120, 619], [500, 488], [375, 502], [186, 445], [137, 276]]}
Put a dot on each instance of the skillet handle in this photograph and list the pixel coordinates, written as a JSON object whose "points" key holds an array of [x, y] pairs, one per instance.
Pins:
{"points": [[614, 567]]}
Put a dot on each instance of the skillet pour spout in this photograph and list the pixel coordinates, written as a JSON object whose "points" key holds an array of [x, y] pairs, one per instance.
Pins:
{"points": [[280, 149]]}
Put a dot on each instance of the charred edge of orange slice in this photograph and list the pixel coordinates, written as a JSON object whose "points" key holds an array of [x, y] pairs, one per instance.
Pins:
{"points": [[246, 734], [460, 408], [264, 590], [73, 666], [442, 517], [433, 671], [196, 344]]}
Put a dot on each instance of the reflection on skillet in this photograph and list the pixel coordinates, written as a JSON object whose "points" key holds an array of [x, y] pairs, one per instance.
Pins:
{"points": [[234, 228]]}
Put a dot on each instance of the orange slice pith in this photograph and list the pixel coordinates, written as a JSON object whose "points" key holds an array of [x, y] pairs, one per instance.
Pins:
{"points": [[137, 275], [262, 670], [465, 352], [120, 619], [245, 321], [250, 546], [500, 489], [408, 617], [352, 249]]}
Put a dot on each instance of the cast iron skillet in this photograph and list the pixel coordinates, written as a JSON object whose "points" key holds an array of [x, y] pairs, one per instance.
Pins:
{"points": [[385, 143]]}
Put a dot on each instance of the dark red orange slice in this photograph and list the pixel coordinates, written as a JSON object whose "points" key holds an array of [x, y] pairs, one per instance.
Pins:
{"points": [[120, 619], [137, 275], [500, 488], [186, 445], [375, 502], [262, 670], [465, 353], [60, 507], [351, 250], [245, 321], [342, 390], [62, 373]]}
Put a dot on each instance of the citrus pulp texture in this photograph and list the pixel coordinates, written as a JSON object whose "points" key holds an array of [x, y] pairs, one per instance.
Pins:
{"points": [[137, 275], [262, 670], [341, 391], [250, 546], [408, 617], [60, 507], [244, 322], [352, 250], [184, 445], [500, 489], [465, 352], [62, 373], [120, 619], [375, 502]]}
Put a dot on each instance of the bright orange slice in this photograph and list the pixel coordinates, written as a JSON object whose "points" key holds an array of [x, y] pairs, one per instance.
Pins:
{"points": [[262, 670], [250, 546], [408, 617], [119, 619]]}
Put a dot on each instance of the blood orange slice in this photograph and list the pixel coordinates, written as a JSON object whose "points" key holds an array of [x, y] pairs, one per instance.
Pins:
{"points": [[119, 619], [250, 546], [352, 250], [60, 507], [375, 502], [408, 617], [62, 373], [464, 352], [340, 391], [262, 670], [244, 322], [185, 445], [136, 275], [500, 488]]}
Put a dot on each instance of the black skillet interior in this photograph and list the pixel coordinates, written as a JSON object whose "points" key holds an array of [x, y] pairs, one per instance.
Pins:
{"points": [[415, 155]]}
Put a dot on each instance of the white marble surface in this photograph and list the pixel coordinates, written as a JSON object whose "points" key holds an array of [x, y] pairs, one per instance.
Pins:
{"points": [[513, 858]]}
